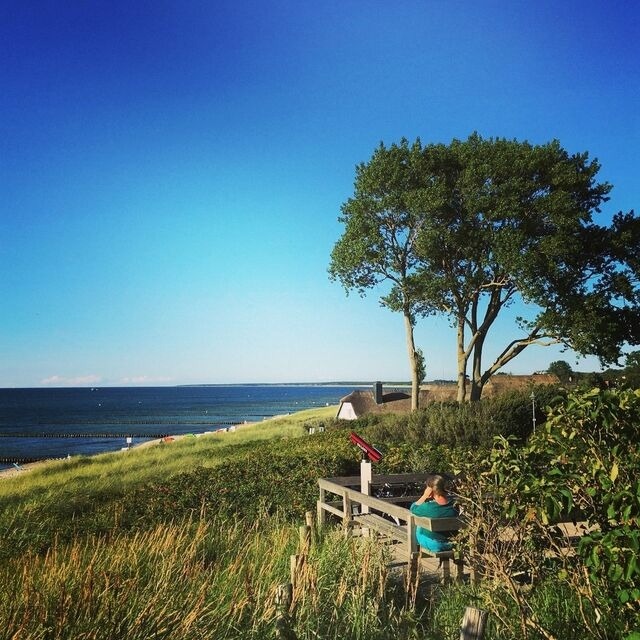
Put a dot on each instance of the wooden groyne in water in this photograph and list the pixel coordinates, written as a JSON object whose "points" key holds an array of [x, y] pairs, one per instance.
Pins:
{"points": [[25, 460], [117, 434], [84, 435]]}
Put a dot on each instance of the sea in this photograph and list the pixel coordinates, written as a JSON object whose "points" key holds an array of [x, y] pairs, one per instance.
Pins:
{"points": [[46, 423]]}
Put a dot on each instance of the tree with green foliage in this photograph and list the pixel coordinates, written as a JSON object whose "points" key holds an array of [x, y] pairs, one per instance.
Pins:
{"points": [[631, 370], [382, 221], [467, 229], [562, 369]]}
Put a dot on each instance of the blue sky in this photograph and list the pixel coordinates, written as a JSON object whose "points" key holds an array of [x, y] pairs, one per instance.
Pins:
{"points": [[172, 172]]}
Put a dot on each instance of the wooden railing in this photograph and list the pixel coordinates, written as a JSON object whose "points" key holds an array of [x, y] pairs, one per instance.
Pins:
{"points": [[339, 497]]}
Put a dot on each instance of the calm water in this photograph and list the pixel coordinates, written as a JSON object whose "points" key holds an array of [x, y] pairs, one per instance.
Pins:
{"points": [[37, 423]]}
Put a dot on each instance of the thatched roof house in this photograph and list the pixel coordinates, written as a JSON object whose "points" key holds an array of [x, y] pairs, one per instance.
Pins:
{"points": [[362, 401], [366, 401]]}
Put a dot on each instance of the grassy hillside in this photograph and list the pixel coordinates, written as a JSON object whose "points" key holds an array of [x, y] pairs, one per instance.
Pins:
{"points": [[121, 546], [117, 473], [89, 494], [191, 539]]}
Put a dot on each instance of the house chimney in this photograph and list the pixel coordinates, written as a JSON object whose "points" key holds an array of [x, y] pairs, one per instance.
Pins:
{"points": [[377, 392]]}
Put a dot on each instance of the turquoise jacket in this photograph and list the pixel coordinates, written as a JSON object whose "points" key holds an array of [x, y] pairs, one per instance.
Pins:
{"points": [[433, 540]]}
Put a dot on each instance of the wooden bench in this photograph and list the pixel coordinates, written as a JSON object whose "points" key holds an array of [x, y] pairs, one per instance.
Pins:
{"points": [[442, 525], [398, 524], [398, 533]]}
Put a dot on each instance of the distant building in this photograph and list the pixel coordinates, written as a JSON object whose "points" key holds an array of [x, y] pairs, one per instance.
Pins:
{"points": [[367, 401]]}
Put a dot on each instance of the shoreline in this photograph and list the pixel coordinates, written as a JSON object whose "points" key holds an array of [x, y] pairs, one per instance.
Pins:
{"points": [[12, 472]]}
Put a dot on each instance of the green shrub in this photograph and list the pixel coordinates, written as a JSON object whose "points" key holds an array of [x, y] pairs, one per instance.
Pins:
{"points": [[473, 424], [585, 459], [274, 477]]}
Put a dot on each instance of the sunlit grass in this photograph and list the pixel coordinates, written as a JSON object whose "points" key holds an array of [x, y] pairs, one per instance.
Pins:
{"points": [[114, 473], [214, 579], [106, 547]]}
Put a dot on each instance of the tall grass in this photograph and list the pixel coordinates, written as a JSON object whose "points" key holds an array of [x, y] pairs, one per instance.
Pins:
{"points": [[219, 579], [216, 579], [175, 541]]}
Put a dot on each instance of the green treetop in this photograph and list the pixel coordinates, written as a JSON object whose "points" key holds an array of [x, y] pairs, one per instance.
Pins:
{"points": [[468, 228]]}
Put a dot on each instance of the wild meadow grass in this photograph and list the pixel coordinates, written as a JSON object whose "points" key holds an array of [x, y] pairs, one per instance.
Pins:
{"points": [[203, 579], [192, 539], [218, 578]]}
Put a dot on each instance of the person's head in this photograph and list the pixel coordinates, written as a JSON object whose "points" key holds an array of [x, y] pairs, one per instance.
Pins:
{"points": [[436, 484]]}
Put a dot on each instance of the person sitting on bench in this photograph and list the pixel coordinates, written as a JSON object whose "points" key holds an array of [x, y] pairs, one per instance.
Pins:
{"points": [[434, 503]]}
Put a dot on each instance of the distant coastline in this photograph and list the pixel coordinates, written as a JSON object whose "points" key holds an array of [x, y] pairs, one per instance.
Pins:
{"points": [[291, 384]]}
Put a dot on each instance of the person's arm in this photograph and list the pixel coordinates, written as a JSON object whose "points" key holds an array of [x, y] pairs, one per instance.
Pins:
{"points": [[427, 495]]}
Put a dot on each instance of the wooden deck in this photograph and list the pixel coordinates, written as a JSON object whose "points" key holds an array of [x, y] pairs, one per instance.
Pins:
{"points": [[390, 519]]}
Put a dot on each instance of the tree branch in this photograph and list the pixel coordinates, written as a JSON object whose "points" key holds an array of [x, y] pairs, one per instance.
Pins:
{"points": [[515, 347]]}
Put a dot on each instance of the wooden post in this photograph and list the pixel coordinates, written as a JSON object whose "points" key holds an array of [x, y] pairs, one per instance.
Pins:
{"points": [[459, 562], [308, 518], [293, 568], [305, 538], [365, 481], [446, 570], [284, 597], [412, 541], [473, 624], [321, 513], [412, 572], [346, 509]]}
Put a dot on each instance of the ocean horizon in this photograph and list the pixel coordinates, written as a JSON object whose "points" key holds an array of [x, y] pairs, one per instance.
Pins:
{"points": [[49, 423]]}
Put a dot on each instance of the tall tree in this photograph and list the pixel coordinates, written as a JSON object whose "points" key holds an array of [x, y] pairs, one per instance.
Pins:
{"points": [[382, 221], [468, 228], [562, 369], [517, 225], [631, 371]]}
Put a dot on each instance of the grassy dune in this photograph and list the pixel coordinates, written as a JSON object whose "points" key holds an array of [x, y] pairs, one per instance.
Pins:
{"points": [[191, 540], [185, 576], [115, 473]]}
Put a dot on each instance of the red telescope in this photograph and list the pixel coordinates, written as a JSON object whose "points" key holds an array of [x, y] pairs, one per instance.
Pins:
{"points": [[368, 451]]}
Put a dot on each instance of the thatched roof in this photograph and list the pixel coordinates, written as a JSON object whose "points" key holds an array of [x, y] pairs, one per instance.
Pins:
{"points": [[363, 402]]}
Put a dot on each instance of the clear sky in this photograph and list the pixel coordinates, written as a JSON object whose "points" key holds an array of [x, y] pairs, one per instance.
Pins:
{"points": [[171, 171]]}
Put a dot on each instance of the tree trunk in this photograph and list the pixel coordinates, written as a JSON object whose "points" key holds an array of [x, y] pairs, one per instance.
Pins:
{"points": [[413, 361], [462, 363], [477, 383]]}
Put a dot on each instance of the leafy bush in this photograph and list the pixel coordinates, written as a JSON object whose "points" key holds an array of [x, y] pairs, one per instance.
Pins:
{"points": [[469, 424], [274, 477], [584, 463]]}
